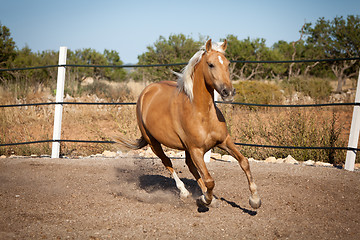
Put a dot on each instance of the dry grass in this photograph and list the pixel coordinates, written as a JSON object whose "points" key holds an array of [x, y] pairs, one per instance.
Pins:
{"points": [[290, 127], [80, 122]]}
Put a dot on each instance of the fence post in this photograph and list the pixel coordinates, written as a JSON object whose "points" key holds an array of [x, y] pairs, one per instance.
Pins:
{"points": [[59, 107], [354, 131]]}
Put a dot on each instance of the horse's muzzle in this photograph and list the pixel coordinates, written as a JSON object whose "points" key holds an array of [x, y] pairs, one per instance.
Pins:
{"points": [[227, 94]]}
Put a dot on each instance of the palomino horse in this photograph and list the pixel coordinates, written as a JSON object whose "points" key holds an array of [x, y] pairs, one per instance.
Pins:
{"points": [[183, 116]]}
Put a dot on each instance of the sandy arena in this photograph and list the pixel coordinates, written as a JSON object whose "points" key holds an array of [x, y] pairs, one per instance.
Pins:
{"points": [[130, 197]]}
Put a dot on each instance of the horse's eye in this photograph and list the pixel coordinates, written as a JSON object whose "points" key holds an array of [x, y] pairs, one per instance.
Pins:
{"points": [[211, 65]]}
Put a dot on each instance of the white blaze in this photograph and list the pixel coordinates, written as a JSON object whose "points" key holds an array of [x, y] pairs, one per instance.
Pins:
{"points": [[220, 60]]}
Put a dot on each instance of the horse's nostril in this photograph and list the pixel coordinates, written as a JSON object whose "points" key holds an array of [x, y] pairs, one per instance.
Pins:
{"points": [[224, 92]]}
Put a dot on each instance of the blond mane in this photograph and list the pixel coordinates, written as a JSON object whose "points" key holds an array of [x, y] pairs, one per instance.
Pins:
{"points": [[185, 78]]}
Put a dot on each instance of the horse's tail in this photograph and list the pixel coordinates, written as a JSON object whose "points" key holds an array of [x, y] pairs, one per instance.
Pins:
{"points": [[139, 143]]}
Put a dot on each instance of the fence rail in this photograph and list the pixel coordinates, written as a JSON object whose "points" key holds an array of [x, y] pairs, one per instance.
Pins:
{"points": [[173, 64], [218, 102], [239, 144], [59, 102]]}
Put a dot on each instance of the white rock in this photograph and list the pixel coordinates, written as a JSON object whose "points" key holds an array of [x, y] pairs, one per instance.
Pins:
{"points": [[327, 164], [323, 164], [170, 154], [290, 160], [228, 158], [180, 154], [254, 160], [135, 152], [109, 154], [309, 163], [215, 155], [270, 160], [149, 153], [140, 152], [280, 160]]}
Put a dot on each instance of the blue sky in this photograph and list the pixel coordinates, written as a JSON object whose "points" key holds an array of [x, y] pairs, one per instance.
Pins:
{"points": [[130, 26]]}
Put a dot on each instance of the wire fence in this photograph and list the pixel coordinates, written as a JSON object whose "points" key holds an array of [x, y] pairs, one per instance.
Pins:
{"points": [[174, 64], [179, 64], [218, 102]]}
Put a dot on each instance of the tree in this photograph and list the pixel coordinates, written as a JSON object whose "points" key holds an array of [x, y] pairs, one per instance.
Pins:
{"points": [[90, 56], [113, 58], [175, 49], [7, 51], [7, 46], [338, 38], [248, 50]]}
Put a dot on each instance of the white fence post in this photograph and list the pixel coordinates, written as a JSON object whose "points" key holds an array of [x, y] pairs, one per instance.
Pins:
{"points": [[207, 155], [59, 107], [354, 131]]}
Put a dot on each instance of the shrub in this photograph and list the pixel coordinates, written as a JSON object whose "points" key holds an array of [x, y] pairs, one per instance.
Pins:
{"points": [[257, 92], [317, 88], [106, 91]]}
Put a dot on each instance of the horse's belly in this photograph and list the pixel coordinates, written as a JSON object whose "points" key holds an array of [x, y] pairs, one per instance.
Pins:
{"points": [[163, 131]]}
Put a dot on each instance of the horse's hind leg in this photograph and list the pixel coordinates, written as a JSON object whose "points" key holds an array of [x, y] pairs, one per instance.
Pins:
{"points": [[229, 146], [157, 149]]}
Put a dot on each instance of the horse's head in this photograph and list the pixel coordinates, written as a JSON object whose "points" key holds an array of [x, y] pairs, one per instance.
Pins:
{"points": [[216, 70]]}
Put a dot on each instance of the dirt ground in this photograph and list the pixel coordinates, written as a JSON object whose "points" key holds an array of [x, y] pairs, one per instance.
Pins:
{"points": [[130, 197]]}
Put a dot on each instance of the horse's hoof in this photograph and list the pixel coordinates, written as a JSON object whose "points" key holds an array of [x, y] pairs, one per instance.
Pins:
{"points": [[214, 203], [201, 201], [255, 202], [184, 195]]}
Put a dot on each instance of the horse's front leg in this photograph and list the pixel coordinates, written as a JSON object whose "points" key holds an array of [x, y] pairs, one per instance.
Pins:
{"points": [[229, 146], [197, 157]]}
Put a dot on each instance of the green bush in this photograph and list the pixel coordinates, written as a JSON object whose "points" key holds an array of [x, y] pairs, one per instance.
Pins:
{"points": [[257, 92], [103, 90], [317, 88]]}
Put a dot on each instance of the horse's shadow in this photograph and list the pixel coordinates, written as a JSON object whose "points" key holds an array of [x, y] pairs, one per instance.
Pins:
{"points": [[153, 183], [234, 205]]}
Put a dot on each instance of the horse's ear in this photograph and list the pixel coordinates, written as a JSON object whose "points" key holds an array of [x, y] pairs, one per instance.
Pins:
{"points": [[224, 45], [208, 45]]}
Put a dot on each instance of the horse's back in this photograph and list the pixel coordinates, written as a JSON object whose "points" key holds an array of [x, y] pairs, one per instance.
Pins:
{"points": [[157, 93]]}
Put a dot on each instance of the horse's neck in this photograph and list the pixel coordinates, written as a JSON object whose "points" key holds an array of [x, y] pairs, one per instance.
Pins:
{"points": [[203, 94]]}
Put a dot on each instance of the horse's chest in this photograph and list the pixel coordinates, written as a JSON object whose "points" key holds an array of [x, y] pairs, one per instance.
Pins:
{"points": [[205, 130]]}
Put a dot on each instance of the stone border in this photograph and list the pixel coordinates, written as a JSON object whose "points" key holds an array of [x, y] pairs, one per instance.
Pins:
{"points": [[181, 155]]}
